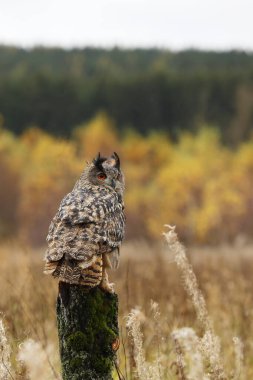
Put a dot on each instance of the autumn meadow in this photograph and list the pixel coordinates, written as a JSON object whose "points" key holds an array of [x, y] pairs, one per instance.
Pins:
{"points": [[169, 328]]}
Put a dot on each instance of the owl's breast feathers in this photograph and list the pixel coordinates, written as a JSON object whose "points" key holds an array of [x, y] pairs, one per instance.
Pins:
{"points": [[89, 223]]}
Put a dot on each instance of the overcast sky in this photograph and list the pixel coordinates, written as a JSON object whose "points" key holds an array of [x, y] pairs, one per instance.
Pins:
{"points": [[175, 24]]}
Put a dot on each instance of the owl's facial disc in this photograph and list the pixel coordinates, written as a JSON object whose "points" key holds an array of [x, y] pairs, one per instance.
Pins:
{"points": [[101, 176], [104, 179], [105, 171]]}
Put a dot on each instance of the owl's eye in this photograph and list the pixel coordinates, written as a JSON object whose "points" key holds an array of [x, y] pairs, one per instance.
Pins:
{"points": [[101, 176]]}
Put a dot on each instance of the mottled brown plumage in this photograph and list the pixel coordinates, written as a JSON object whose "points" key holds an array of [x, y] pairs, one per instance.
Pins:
{"points": [[86, 233]]}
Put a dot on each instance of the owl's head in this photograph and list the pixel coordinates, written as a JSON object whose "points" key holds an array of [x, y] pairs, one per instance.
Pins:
{"points": [[104, 172]]}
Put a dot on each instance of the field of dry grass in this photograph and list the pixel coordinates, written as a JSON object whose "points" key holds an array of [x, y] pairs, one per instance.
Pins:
{"points": [[147, 272]]}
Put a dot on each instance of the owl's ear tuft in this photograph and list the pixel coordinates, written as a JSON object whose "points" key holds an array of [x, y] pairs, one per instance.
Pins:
{"points": [[98, 161], [117, 160]]}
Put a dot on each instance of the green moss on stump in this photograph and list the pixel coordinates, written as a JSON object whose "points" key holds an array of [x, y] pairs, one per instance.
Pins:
{"points": [[87, 325], [77, 341]]}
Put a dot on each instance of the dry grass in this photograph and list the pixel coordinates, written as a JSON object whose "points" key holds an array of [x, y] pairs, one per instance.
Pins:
{"points": [[146, 273]]}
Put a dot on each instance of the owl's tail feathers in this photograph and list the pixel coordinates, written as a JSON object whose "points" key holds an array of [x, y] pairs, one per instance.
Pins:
{"points": [[73, 273], [64, 270], [50, 267]]}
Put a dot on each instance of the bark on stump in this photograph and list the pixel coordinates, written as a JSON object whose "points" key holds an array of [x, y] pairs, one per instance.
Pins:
{"points": [[88, 332]]}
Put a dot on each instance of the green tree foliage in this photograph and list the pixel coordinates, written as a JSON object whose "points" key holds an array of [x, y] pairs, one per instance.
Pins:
{"points": [[149, 89]]}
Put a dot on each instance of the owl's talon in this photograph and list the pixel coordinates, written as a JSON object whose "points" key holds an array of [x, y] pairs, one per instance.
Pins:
{"points": [[107, 287]]}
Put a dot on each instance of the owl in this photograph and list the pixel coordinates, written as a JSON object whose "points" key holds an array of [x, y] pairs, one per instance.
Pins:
{"points": [[85, 235]]}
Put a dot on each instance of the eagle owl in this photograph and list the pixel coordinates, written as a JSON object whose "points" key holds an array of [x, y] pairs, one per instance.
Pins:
{"points": [[85, 235]]}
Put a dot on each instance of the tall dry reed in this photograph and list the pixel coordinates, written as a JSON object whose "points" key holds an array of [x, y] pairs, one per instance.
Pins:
{"points": [[225, 274], [5, 352], [209, 344]]}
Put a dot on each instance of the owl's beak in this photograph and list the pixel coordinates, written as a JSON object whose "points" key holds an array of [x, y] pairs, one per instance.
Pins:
{"points": [[110, 182]]}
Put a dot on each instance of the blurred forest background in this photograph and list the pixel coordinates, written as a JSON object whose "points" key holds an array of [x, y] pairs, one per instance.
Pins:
{"points": [[181, 122]]}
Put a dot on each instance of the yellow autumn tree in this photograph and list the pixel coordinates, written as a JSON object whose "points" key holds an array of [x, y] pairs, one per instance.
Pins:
{"points": [[243, 180], [197, 183], [51, 169], [99, 135], [195, 190], [142, 158], [11, 165]]}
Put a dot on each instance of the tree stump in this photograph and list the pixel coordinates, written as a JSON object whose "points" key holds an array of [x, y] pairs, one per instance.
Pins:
{"points": [[88, 332]]}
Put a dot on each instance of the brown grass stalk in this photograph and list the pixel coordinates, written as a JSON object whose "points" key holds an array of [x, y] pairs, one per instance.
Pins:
{"points": [[209, 343]]}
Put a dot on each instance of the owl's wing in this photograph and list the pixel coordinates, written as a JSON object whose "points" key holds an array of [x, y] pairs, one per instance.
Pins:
{"points": [[88, 206], [83, 222], [77, 208]]}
